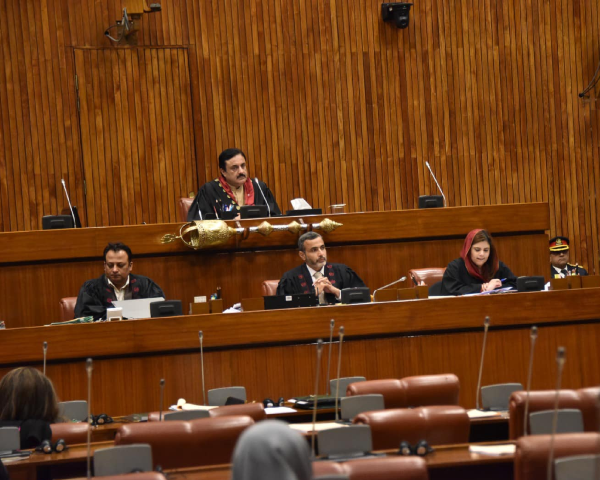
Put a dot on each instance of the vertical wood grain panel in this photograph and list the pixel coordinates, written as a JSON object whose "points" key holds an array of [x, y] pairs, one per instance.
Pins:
{"points": [[328, 102]]}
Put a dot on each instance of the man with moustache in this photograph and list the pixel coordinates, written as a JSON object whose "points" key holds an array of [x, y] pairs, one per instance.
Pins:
{"points": [[315, 275], [559, 259], [232, 190]]}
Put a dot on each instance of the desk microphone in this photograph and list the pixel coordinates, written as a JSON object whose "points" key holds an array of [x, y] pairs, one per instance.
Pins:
{"points": [[314, 419], [201, 337], [560, 363], [486, 324], [45, 350], [162, 396], [69, 200], [337, 383], [388, 285], [88, 368], [436, 182], [534, 332], [331, 325], [263, 195]]}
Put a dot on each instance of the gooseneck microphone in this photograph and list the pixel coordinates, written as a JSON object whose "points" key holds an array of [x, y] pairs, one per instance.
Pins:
{"points": [[388, 285], [162, 397], [560, 363], [436, 182], [263, 195], [89, 367], [337, 383], [45, 351], [534, 332], [331, 325], [486, 325], [314, 419], [201, 337], [69, 200]]}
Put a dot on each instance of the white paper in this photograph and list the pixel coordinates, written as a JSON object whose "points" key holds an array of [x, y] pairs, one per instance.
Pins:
{"points": [[480, 414], [496, 450], [190, 406], [300, 204], [138, 308], [308, 427], [278, 410]]}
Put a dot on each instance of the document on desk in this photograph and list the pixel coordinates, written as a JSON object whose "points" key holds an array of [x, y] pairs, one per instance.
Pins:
{"points": [[495, 450], [279, 410], [191, 406], [308, 427], [138, 308], [474, 413]]}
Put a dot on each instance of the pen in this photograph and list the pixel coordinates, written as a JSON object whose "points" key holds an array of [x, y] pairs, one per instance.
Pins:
{"points": [[504, 280]]}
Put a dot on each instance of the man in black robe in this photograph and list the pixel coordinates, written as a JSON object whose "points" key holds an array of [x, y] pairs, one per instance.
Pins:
{"points": [[117, 283], [559, 259], [315, 275], [223, 196]]}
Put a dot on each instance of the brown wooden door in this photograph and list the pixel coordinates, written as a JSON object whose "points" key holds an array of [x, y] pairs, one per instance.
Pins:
{"points": [[136, 133]]}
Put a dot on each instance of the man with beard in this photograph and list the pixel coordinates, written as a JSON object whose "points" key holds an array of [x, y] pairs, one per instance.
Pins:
{"points": [[232, 190], [117, 283], [315, 275]]}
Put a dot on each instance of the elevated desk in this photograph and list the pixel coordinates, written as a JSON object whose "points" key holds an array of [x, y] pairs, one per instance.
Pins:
{"points": [[272, 353], [39, 268]]}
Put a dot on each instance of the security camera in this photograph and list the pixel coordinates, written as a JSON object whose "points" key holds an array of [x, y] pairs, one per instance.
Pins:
{"points": [[397, 13]]}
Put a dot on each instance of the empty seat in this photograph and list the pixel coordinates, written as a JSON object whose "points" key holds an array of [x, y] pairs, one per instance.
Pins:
{"points": [[578, 467], [427, 276], [185, 415], [256, 411], [269, 288], [413, 391], [438, 425], [137, 476], [207, 441], [382, 468], [351, 406], [73, 411], [344, 382], [71, 433], [183, 207], [67, 308], [218, 396], [584, 400], [497, 397], [122, 459], [532, 452], [568, 420]]}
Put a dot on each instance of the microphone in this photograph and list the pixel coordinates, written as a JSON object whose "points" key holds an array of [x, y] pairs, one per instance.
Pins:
{"points": [[201, 337], [263, 195], [314, 419], [162, 395], [486, 324], [436, 182], [45, 350], [534, 332], [88, 368], [560, 363], [388, 285], [69, 200], [331, 325], [337, 384]]}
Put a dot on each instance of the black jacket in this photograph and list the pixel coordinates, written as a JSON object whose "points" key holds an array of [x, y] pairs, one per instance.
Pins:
{"points": [[458, 281]]}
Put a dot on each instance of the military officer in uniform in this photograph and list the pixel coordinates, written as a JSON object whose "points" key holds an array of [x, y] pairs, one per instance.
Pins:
{"points": [[559, 259]]}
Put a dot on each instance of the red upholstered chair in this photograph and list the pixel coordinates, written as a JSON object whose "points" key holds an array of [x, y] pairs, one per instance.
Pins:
{"points": [[531, 455], [207, 441], [67, 308], [183, 207], [439, 425], [135, 476], [428, 276], [70, 432], [392, 468], [414, 391], [584, 399], [256, 411], [269, 287]]}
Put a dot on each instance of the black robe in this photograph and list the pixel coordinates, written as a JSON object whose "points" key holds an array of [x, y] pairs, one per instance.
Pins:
{"points": [[458, 281], [570, 268], [210, 192], [299, 280], [97, 295]]}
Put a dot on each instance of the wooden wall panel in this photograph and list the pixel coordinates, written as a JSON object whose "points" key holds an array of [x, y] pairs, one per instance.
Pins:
{"points": [[330, 103]]}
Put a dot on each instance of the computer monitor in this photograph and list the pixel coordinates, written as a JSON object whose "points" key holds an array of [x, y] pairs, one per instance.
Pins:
{"points": [[254, 211], [530, 284], [167, 308], [54, 222], [431, 201], [356, 295]]}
